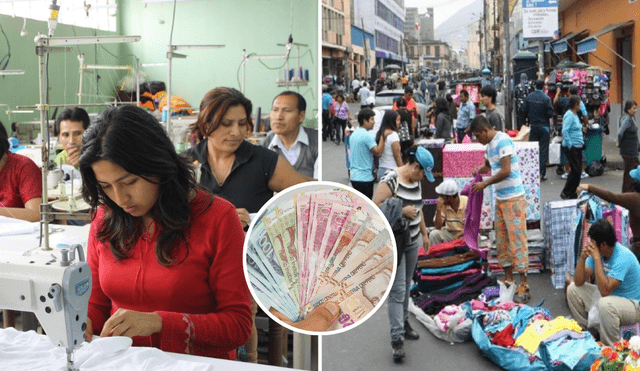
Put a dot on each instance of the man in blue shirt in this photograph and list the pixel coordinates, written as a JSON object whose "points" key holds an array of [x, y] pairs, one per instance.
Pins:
{"points": [[617, 273], [466, 113], [538, 109], [327, 99], [362, 144]]}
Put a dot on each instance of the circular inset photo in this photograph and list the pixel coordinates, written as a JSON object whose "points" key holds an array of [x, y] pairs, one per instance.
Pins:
{"points": [[320, 258]]}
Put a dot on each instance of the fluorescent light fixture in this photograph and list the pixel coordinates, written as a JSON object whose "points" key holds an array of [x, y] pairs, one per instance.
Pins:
{"points": [[12, 72]]}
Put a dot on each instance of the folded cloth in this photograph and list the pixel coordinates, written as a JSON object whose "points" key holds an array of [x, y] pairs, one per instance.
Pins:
{"points": [[473, 215]]}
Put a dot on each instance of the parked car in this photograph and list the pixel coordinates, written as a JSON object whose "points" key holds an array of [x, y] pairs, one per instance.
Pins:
{"points": [[385, 99]]}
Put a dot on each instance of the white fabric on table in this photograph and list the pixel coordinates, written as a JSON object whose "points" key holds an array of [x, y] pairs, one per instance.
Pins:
{"points": [[12, 226], [31, 351]]}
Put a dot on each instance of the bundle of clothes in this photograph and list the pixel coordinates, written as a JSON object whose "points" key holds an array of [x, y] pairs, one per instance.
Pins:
{"points": [[449, 273]]}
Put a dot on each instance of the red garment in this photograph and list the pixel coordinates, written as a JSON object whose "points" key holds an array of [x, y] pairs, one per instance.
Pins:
{"points": [[443, 247], [21, 181], [505, 337], [411, 107], [204, 301]]}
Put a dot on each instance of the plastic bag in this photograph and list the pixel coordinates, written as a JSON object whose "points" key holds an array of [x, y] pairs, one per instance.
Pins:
{"points": [[506, 294], [594, 317]]}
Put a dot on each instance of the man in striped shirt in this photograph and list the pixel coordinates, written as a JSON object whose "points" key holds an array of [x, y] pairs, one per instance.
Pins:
{"points": [[510, 215]]}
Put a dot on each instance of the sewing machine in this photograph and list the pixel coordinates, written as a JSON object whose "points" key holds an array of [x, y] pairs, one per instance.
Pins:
{"points": [[55, 288]]}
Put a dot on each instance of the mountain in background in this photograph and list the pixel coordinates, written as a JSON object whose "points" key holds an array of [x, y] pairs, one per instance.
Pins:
{"points": [[455, 29]]}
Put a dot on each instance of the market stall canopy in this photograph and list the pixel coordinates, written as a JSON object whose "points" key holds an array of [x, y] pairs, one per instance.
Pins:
{"points": [[562, 45], [568, 63], [392, 67], [590, 43]]}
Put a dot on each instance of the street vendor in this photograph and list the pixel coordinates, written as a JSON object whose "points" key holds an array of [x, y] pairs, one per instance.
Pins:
{"points": [[450, 213], [617, 273]]}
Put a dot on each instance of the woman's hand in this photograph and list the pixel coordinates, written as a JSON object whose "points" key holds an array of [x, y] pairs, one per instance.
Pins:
{"points": [[130, 323], [409, 212], [88, 333], [243, 214], [320, 319], [425, 242]]}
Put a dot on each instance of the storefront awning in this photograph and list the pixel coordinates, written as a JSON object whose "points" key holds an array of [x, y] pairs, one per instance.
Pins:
{"points": [[562, 44], [590, 43]]}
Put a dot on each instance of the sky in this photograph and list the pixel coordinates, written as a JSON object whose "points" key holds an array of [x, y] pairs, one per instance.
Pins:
{"points": [[443, 9]]}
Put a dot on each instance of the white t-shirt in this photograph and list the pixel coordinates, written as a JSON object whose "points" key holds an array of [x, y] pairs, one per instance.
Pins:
{"points": [[386, 159]]}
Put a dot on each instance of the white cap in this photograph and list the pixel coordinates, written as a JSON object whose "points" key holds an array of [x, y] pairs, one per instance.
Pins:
{"points": [[448, 188]]}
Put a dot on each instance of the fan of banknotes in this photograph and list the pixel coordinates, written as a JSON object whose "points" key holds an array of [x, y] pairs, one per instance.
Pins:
{"points": [[316, 247]]}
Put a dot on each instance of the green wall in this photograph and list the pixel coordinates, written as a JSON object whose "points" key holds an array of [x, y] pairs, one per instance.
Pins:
{"points": [[255, 25], [63, 68]]}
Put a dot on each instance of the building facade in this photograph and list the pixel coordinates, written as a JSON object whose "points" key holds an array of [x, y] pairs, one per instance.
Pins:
{"points": [[604, 33], [384, 19], [435, 54], [336, 37], [425, 21]]}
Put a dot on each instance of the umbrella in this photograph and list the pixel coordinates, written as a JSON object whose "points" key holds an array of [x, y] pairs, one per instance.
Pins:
{"points": [[392, 67]]}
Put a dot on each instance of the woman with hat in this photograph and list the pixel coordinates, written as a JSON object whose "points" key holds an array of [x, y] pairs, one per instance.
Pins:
{"points": [[628, 200], [404, 183], [450, 213]]}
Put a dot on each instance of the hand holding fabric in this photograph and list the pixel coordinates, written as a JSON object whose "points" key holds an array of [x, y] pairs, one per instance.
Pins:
{"points": [[130, 323]]}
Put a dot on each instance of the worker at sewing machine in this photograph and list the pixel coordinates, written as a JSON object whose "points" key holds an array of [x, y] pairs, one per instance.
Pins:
{"points": [[165, 256], [69, 127], [20, 184]]}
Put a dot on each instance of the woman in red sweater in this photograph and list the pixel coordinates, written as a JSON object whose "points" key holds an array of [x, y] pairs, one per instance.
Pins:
{"points": [[165, 256]]}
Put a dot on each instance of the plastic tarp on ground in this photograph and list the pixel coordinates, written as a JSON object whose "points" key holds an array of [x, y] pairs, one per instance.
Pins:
{"points": [[513, 360]]}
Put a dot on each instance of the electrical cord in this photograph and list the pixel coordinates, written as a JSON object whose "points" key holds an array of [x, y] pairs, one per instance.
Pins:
{"points": [[6, 58]]}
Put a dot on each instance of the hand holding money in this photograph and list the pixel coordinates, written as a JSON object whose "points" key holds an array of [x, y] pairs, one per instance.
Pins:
{"points": [[320, 253]]}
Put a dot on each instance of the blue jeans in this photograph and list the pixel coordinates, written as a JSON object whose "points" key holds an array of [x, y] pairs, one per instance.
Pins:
{"points": [[461, 134], [540, 134], [399, 294]]}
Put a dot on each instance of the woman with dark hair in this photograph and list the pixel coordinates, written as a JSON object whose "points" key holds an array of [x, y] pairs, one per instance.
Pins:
{"points": [[453, 108], [406, 118], [628, 143], [244, 174], [155, 233], [628, 200], [443, 120], [20, 184], [404, 183], [340, 113], [391, 156], [572, 143]]}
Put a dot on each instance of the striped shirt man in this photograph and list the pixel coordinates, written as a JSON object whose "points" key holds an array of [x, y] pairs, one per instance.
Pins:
{"points": [[500, 146]]}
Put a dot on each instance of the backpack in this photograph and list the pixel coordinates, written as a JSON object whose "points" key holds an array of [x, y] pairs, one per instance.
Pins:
{"points": [[423, 85], [392, 210], [595, 169]]}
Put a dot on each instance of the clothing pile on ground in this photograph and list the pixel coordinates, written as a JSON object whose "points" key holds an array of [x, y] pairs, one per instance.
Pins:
{"points": [[521, 337], [449, 273]]}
